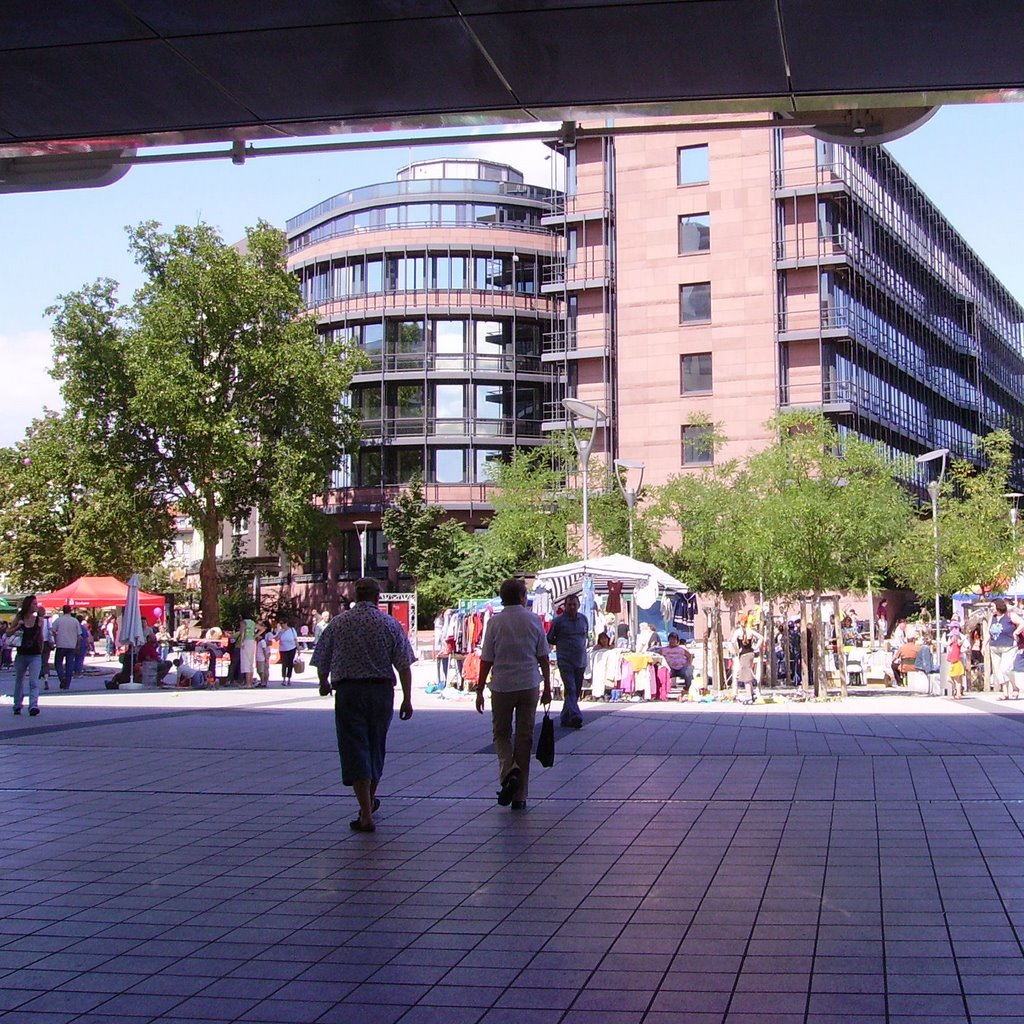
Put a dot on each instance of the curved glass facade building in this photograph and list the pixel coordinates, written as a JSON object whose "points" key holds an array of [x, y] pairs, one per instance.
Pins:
{"points": [[437, 278]]}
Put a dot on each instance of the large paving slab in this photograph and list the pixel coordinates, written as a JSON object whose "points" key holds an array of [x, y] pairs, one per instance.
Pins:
{"points": [[181, 856]]}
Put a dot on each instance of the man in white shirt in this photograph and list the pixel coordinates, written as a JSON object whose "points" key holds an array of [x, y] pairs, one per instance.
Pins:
{"points": [[515, 656], [67, 631]]}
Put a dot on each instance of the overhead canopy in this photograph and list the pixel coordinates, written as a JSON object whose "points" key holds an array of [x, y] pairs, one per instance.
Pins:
{"points": [[563, 580], [102, 592]]}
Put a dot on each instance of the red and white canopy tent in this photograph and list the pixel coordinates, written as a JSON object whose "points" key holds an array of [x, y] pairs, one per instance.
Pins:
{"points": [[102, 592]]}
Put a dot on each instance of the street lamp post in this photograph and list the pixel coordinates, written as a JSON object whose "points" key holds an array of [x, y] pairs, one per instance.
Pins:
{"points": [[934, 486], [583, 414], [629, 493], [361, 525], [1014, 497]]}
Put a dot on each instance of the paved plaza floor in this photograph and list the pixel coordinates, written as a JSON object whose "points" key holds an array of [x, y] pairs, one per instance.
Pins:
{"points": [[186, 856]]}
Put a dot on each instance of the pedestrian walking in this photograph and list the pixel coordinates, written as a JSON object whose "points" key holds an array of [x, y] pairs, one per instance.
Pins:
{"points": [[514, 657], [357, 657], [568, 635], [287, 642], [27, 631], [65, 637], [1003, 629], [44, 661]]}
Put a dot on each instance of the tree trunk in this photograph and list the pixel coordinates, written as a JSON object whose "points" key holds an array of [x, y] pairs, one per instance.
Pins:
{"points": [[769, 645], [844, 691], [209, 583], [806, 670], [818, 654]]}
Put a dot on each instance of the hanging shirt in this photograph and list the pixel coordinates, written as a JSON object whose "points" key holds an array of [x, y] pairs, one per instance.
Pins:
{"points": [[614, 596]]}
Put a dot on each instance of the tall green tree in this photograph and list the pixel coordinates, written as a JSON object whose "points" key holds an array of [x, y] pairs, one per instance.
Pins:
{"points": [[69, 508], [429, 544], [828, 511], [533, 510], [977, 542], [707, 509], [211, 384]]}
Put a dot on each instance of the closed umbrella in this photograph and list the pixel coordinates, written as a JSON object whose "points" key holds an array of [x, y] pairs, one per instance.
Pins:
{"points": [[130, 631]]}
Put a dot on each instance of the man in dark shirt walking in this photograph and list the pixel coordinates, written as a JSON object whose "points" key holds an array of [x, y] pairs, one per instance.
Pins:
{"points": [[357, 656], [568, 635]]}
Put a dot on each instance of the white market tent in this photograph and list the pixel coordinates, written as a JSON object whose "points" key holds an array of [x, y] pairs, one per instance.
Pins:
{"points": [[563, 580]]}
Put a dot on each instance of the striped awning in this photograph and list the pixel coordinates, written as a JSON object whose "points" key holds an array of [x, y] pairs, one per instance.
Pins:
{"points": [[562, 580]]}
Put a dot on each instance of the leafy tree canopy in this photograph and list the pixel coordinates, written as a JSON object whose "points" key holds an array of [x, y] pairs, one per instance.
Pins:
{"points": [[828, 509], [69, 508], [211, 384], [977, 543]]}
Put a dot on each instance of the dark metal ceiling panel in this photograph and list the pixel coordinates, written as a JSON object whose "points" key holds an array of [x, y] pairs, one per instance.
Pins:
{"points": [[877, 45], [199, 17], [64, 92], [171, 71], [358, 70], [638, 52], [26, 23]]}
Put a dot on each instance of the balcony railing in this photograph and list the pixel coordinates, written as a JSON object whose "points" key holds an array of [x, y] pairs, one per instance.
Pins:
{"points": [[394, 426], [449, 362], [576, 340], [444, 188]]}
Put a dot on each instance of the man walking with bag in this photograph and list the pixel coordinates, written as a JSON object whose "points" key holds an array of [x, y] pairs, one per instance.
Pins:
{"points": [[515, 659]]}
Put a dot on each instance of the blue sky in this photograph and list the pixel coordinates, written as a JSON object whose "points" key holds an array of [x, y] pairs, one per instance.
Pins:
{"points": [[966, 158]]}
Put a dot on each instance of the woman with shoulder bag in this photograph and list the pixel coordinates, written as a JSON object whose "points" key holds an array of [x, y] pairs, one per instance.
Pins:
{"points": [[287, 642], [29, 654]]}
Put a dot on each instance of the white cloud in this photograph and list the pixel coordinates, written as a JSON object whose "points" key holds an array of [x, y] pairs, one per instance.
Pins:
{"points": [[26, 357]]}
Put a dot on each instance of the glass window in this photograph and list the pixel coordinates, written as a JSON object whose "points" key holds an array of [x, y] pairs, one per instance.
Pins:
{"points": [[449, 466], [695, 373], [449, 408], [697, 450], [527, 340], [695, 302], [357, 278], [374, 276], [459, 272], [693, 165], [486, 461], [489, 344], [406, 341], [369, 469], [415, 273], [404, 464], [368, 402], [490, 401], [373, 339], [450, 344], [572, 241], [409, 400], [525, 269], [694, 233], [528, 403]]}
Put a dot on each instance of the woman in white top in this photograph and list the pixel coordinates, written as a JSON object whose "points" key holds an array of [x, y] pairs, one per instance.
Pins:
{"points": [[287, 641]]}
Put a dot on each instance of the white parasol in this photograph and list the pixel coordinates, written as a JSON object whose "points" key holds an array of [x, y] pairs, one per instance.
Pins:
{"points": [[130, 631]]}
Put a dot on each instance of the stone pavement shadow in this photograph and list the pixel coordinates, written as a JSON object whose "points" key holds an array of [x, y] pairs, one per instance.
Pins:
{"points": [[187, 857]]}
